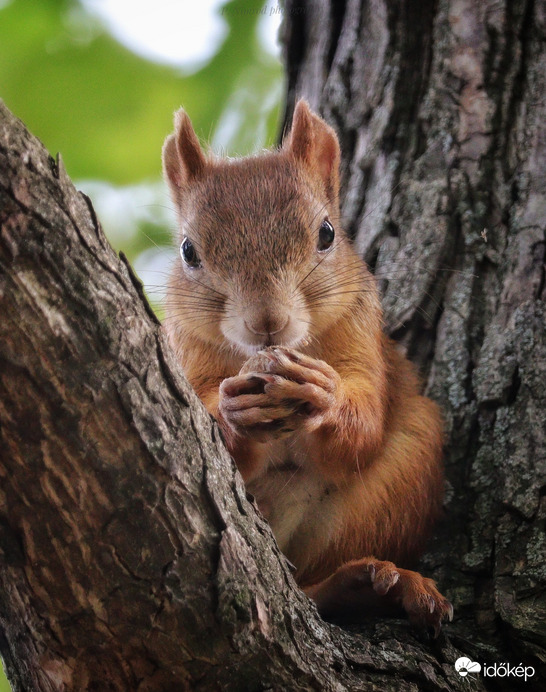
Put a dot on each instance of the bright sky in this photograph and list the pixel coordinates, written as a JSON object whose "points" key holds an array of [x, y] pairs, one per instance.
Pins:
{"points": [[177, 32]]}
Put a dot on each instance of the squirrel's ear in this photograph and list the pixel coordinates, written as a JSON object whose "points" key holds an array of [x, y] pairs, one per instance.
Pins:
{"points": [[183, 158], [315, 144]]}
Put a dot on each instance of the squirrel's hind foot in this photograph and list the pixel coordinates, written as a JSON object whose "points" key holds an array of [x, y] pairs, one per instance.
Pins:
{"points": [[380, 587]]}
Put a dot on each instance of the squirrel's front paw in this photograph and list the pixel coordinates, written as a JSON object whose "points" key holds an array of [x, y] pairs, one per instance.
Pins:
{"points": [[290, 391], [299, 378], [251, 411]]}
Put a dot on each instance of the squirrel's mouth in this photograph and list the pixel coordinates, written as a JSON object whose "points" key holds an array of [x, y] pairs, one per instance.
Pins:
{"points": [[269, 328], [249, 341]]}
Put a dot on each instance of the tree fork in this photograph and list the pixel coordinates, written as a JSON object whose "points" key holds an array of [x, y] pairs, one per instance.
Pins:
{"points": [[130, 557]]}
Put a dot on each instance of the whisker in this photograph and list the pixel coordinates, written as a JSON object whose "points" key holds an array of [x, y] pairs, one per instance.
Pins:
{"points": [[324, 290], [355, 271], [315, 267]]}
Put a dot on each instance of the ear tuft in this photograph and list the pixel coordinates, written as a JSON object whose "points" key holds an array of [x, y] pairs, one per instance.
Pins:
{"points": [[301, 135], [183, 158], [315, 145]]}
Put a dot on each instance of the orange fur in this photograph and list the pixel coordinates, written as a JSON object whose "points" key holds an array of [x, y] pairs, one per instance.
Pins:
{"points": [[280, 335]]}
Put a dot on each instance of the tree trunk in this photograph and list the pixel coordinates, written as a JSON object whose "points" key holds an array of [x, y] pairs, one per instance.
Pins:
{"points": [[441, 110], [130, 557]]}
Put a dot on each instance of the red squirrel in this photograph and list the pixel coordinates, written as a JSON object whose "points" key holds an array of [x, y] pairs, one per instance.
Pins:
{"points": [[278, 326]]}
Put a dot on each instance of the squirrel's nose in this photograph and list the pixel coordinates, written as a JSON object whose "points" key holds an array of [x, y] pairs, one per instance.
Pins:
{"points": [[268, 326]]}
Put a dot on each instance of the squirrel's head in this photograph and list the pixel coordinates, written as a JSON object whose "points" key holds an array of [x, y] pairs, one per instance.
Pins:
{"points": [[263, 259]]}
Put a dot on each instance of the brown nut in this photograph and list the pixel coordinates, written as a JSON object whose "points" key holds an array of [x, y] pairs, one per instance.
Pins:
{"points": [[256, 363]]}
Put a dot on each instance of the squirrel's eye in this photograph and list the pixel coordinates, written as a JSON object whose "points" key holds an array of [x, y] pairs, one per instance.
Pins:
{"points": [[326, 236], [189, 254]]}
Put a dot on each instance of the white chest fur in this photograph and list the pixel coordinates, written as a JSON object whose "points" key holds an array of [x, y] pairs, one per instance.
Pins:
{"points": [[302, 509]]}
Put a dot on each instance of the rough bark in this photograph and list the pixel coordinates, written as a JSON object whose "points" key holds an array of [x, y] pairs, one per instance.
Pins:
{"points": [[441, 109]]}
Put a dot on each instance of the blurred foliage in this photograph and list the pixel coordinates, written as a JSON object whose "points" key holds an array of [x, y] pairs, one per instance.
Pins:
{"points": [[108, 110]]}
